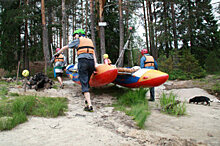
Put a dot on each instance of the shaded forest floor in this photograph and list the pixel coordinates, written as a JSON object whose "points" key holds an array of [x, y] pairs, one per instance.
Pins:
{"points": [[105, 126]]}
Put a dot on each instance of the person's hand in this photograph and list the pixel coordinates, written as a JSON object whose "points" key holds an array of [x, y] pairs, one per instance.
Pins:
{"points": [[96, 65], [56, 55]]}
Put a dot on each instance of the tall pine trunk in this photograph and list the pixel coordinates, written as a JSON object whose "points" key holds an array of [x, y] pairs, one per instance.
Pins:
{"points": [[121, 29], [45, 37], [92, 26], [26, 58], [145, 26], [102, 29], [64, 28]]}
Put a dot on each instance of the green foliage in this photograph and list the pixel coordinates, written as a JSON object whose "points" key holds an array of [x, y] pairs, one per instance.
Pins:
{"points": [[50, 72], [15, 111], [186, 68], [165, 64], [216, 88], [212, 62], [191, 66], [3, 90], [139, 112], [178, 74], [135, 104], [171, 106], [133, 97]]}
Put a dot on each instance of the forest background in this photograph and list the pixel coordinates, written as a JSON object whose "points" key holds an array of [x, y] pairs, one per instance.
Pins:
{"points": [[182, 35]]}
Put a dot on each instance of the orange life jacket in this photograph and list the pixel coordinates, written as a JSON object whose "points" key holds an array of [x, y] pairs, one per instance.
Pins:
{"points": [[149, 61], [59, 58], [85, 46]]}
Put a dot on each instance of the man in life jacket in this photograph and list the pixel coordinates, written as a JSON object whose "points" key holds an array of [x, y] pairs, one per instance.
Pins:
{"points": [[106, 60], [86, 62], [148, 61], [59, 63]]}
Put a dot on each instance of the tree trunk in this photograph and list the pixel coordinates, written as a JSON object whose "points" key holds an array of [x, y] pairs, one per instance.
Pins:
{"points": [[151, 31], [121, 43], [26, 58], [155, 32], [86, 26], [165, 28], [45, 37], [50, 33], [102, 29], [145, 26], [174, 26], [64, 27], [82, 18], [92, 26]]}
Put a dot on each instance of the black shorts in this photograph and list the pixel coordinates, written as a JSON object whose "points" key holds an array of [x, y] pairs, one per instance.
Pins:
{"points": [[85, 67], [59, 74]]}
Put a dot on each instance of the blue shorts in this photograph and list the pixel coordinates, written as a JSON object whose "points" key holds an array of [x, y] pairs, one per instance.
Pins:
{"points": [[85, 67]]}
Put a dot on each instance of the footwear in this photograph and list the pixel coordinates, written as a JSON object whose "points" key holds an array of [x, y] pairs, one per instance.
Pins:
{"points": [[62, 86], [88, 109], [151, 100]]}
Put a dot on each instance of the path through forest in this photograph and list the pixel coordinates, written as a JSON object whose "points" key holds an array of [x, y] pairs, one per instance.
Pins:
{"points": [[108, 127]]}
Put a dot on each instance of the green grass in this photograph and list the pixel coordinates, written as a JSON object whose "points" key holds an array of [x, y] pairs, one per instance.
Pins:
{"points": [[10, 83], [16, 110], [167, 100], [135, 104]]}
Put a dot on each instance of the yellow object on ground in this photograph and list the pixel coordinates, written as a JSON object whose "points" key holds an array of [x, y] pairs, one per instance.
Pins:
{"points": [[25, 73]]}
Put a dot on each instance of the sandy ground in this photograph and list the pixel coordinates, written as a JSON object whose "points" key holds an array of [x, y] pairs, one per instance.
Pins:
{"points": [[108, 127]]}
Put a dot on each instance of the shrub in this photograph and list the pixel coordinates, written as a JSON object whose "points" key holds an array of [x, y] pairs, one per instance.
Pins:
{"points": [[15, 111], [172, 106], [212, 63], [135, 104]]}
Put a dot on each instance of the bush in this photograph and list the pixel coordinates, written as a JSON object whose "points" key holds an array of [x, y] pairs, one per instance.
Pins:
{"points": [[186, 68], [15, 111], [172, 106], [212, 63]]}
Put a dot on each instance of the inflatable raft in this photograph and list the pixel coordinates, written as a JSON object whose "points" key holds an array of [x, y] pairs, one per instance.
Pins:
{"points": [[104, 74], [140, 77]]}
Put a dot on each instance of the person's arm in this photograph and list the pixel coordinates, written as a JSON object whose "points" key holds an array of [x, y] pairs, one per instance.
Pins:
{"points": [[95, 60], [155, 64], [61, 50], [142, 62]]}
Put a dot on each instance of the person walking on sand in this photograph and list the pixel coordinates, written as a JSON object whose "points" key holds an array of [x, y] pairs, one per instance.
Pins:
{"points": [[59, 63], [86, 62], [148, 61]]}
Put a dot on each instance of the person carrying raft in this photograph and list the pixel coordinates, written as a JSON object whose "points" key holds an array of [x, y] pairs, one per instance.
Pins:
{"points": [[59, 63], [148, 61], [86, 62]]}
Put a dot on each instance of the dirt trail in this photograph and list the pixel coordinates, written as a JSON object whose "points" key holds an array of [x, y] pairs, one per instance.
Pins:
{"points": [[108, 127]]}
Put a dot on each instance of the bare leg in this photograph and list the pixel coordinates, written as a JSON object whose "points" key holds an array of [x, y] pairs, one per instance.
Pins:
{"points": [[87, 97], [60, 81]]}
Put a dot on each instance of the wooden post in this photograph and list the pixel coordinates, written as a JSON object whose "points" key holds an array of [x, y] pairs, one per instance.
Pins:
{"points": [[17, 72]]}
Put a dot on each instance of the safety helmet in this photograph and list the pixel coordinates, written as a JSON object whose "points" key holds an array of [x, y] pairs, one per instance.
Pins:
{"points": [[58, 49], [144, 51], [105, 56], [79, 31]]}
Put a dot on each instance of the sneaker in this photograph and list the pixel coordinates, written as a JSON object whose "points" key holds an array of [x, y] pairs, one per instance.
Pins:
{"points": [[62, 86], [151, 100], [88, 109]]}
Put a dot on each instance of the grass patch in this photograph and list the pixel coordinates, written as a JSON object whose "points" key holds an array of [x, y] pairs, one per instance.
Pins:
{"points": [[135, 104], [16, 110], [3, 90], [170, 105]]}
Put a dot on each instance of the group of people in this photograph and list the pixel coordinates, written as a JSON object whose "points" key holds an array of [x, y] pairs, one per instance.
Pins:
{"points": [[87, 63]]}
